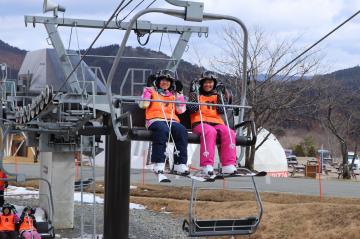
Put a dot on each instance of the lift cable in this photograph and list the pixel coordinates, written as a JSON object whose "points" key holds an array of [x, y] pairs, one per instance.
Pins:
{"points": [[117, 15], [119, 21], [151, 4], [308, 49], [131, 11]]}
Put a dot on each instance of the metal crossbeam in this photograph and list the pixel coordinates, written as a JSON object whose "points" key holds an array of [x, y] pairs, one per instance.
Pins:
{"points": [[141, 25]]}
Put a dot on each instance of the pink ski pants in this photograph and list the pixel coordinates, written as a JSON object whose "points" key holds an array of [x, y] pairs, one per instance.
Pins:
{"points": [[227, 153]]}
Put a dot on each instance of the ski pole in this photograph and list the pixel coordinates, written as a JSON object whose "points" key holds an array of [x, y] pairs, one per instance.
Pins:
{"points": [[232, 145], [206, 153], [169, 126]]}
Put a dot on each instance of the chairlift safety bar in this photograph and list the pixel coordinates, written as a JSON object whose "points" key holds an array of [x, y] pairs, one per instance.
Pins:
{"points": [[177, 102]]}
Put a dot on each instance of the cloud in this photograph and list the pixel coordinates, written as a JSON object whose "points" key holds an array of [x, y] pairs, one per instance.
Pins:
{"points": [[282, 19]]}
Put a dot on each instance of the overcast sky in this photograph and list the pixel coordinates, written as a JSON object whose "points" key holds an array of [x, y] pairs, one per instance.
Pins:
{"points": [[282, 19]]}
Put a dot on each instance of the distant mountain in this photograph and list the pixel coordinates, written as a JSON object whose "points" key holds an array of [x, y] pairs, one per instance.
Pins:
{"points": [[186, 71], [12, 56], [350, 76]]}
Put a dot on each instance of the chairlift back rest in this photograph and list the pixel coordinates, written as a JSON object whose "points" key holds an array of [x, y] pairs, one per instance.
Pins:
{"points": [[45, 229], [137, 131]]}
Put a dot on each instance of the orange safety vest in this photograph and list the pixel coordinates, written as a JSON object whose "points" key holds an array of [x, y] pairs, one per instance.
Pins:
{"points": [[154, 111], [27, 224], [7, 223], [209, 113]]}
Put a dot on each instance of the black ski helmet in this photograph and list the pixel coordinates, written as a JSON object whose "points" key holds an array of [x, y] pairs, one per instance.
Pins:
{"points": [[208, 75], [32, 210], [165, 74], [8, 206]]}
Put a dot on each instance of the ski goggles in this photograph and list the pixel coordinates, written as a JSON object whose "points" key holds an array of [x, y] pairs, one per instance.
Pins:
{"points": [[209, 75], [166, 74]]}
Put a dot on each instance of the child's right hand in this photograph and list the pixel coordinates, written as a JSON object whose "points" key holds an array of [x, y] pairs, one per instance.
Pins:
{"points": [[194, 85]]}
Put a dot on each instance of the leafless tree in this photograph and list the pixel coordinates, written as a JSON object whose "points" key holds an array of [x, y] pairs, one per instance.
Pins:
{"points": [[269, 92], [338, 110]]}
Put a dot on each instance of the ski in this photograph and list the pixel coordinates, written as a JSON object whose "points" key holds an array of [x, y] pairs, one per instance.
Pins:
{"points": [[196, 176], [162, 178], [202, 178], [245, 174]]}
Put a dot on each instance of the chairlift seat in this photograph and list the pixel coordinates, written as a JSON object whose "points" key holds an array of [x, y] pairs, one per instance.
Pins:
{"points": [[203, 228], [45, 229], [137, 131]]}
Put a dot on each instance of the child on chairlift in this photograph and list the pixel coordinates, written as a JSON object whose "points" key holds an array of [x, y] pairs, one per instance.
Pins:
{"points": [[162, 120], [207, 122]]}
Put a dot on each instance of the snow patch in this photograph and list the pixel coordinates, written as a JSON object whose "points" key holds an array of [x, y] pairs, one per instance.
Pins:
{"points": [[87, 198], [137, 206], [22, 192]]}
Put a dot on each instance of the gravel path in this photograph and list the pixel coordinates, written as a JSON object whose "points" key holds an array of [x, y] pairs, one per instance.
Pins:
{"points": [[143, 223]]}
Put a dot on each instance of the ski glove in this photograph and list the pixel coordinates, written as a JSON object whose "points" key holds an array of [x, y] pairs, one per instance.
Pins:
{"points": [[178, 86], [220, 88], [151, 80], [194, 86]]}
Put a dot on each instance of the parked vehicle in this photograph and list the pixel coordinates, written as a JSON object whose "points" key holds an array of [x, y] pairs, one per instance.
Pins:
{"points": [[325, 155], [291, 157], [356, 165]]}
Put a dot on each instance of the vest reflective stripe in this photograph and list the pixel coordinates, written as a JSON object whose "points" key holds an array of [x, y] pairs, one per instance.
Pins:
{"points": [[27, 224], [154, 110], [7, 223], [209, 113]]}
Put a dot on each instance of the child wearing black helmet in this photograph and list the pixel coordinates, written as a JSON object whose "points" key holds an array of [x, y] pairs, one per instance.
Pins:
{"points": [[27, 224], [206, 121], [8, 219], [162, 120]]}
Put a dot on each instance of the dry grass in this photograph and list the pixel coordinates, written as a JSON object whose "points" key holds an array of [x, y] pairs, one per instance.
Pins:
{"points": [[26, 184], [285, 216]]}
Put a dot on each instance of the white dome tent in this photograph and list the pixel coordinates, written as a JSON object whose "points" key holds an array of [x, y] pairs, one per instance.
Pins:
{"points": [[270, 157]]}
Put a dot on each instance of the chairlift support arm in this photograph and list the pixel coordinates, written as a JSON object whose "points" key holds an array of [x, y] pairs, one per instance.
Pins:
{"points": [[64, 59], [181, 14], [141, 25], [179, 51]]}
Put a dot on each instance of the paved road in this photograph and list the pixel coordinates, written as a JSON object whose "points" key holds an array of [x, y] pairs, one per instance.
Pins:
{"points": [[331, 188], [32, 170]]}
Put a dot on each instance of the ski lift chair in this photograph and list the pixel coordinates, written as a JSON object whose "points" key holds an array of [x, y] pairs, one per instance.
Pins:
{"points": [[194, 227]]}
